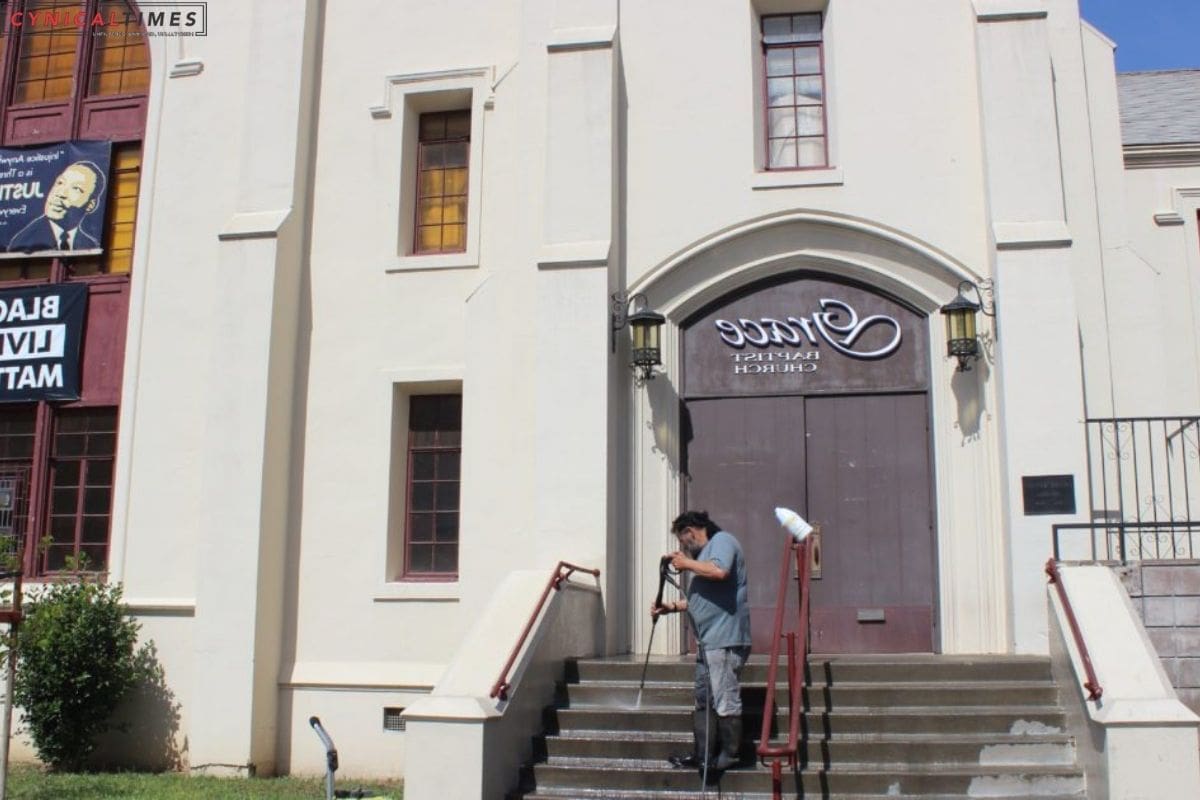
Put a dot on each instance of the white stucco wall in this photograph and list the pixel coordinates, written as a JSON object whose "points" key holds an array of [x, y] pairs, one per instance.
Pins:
{"points": [[277, 323]]}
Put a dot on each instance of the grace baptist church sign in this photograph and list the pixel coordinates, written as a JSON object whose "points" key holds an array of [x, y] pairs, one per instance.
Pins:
{"points": [[805, 335]]}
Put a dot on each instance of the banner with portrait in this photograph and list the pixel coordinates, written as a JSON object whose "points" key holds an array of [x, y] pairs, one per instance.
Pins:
{"points": [[53, 199]]}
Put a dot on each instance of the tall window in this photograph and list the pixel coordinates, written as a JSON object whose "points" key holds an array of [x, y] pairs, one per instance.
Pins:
{"points": [[81, 471], [62, 79], [434, 465], [443, 145], [794, 69]]}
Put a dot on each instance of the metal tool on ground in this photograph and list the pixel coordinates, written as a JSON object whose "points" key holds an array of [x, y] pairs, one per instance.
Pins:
{"points": [[331, 766]]}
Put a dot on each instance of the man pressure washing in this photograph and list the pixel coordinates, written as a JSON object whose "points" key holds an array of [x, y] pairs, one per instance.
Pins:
{"points": [[716, 600]]}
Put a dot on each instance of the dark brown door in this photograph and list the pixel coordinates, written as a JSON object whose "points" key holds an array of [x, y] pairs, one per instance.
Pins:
{"points": [[859, 465], [869, 486], [746, 456]]}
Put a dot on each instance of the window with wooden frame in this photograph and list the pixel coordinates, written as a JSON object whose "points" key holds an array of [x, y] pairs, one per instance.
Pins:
{"points": [[443, 150], [434, 470], [17, 433], [61, 78], [81, 480], [794, 72]]}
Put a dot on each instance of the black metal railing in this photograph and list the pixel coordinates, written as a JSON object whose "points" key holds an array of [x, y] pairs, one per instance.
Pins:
{"points": [[1144, 485], [1125, 542]]}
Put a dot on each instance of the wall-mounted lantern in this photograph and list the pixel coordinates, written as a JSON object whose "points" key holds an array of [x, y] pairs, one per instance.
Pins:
{"points": [[645, 326], [962, 341]]}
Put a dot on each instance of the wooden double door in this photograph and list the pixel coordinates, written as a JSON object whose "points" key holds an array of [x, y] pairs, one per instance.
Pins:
{"points": [[857, 464]]}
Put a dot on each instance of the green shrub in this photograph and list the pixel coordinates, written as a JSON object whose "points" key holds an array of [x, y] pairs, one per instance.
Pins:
{"points": [[77, 656]]}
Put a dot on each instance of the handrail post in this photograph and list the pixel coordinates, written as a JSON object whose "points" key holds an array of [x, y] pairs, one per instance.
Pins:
{"points": [[1092, 684], [501, 686], [797, 653]]}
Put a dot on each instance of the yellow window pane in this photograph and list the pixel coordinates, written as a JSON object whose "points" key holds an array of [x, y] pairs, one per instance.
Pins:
{"points": [[32, 68], [456, 181], [429, 239], [455, 211], [431, 183], [27, 92], [120, 263], [35, 46], [57, 89], [127, 158], [106, 83], [122, 238], [429, 212], [60, 64], [10, 271], [454, 237], [136, 55], [108, 59], [135, 80]]}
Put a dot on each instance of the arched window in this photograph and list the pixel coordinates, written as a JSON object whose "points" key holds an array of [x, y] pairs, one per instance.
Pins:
{"points": [[73, 71]]}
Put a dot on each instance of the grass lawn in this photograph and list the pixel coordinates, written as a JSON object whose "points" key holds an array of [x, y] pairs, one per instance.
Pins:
{"points": [[30, 783]]}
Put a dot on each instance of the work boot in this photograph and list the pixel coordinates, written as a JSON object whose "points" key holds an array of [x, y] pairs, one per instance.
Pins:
{"points": [[731, 742], [695, 759]]}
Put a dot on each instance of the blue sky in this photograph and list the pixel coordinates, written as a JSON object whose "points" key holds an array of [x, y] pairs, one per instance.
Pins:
{"points": [[1150, 34]]}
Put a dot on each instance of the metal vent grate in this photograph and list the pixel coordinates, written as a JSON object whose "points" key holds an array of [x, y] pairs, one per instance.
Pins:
{"points": [[392, 721]]}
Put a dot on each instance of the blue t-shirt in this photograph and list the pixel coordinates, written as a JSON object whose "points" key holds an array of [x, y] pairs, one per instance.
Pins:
{"points": [[720, 608]]}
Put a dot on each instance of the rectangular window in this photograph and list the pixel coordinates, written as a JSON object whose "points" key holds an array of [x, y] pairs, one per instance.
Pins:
{"points": [[46, 57], [80, 488], [17, 429], [123, 181], [443, 145], [794, 71], [434, 464]]}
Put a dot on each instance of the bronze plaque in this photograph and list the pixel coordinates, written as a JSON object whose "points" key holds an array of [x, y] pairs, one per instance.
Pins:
{"points": [[804, 335]]}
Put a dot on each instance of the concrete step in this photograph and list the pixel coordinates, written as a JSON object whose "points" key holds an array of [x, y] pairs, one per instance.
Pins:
{"points": [[615, 778], [712, 794], [623, 694], [826, 669], [1016, 719], [1012, 749]]}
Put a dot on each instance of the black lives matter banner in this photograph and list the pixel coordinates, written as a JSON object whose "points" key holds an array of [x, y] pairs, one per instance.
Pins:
{"points": [[40, 331], [52, 199]]}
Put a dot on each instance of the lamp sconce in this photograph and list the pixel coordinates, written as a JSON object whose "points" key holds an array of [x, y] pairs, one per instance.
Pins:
{"points": [[962, 341], [645, 326]]}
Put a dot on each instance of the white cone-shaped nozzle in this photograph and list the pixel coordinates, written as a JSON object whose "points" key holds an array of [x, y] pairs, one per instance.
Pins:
{"points": [[793, 523]]}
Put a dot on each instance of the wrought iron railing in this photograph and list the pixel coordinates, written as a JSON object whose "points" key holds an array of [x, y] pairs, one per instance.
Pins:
{"points": [[1144, 485]]}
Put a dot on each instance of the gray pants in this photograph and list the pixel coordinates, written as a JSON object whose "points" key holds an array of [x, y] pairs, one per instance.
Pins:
{"points": [[717, 674]]}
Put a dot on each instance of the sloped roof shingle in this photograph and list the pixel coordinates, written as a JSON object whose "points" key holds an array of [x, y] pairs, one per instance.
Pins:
{"points": [[1160, 107]]}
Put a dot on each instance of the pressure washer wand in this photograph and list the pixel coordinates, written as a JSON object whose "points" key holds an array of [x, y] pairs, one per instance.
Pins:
{"points": [[664, 575]]}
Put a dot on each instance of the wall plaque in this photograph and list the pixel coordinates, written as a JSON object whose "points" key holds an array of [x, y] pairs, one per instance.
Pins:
{"points": [[1048, 494]]}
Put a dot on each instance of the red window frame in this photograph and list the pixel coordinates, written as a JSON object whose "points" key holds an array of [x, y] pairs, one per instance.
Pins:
{"points": [[434, 478], [796, 40], [108, 97], [82, 456]]}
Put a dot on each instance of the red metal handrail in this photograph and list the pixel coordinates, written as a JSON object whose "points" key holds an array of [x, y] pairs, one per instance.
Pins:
{"points": [[501, 686], [1092, 684], [797, 651]]}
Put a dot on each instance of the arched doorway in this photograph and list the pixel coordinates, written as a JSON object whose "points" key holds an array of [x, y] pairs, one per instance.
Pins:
{"points": [[811, 392]]}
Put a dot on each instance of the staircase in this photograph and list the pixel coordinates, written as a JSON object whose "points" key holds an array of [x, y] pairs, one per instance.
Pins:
{"points": [[908, 726]]}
